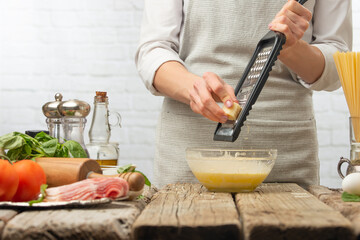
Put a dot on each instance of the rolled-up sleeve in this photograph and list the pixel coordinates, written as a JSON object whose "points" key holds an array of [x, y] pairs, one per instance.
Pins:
{"points": [[159, 38], [332, 31]]}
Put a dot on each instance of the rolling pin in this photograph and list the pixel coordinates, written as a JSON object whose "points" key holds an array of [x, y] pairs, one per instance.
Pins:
{"points": [[62, 171]]}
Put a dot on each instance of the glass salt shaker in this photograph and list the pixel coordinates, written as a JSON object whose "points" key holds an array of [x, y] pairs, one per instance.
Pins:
{"points": [[74, 113], [100, 149], [53, 120]]}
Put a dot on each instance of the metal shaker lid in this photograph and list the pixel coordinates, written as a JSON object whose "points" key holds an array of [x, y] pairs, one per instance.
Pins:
{"points": [[74, 108], [50, 109]]}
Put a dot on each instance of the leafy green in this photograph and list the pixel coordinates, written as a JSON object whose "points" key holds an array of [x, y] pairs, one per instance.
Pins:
{"points": [[21, 146], [131, 168], [141, 197], [347, 197], [126, 168], [62, 152], [11, 141], [50, 147], [75, 149], [43, 188], [43, 137]]}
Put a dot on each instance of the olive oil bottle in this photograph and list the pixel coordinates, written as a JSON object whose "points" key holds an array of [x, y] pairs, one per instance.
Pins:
{"points": [[100, 149]]}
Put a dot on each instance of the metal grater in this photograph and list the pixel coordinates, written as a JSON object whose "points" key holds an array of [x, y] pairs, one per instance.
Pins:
{"points": [[252, 82]]}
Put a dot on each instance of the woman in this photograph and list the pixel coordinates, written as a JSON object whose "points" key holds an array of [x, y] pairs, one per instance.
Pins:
{"points": [[194, 52]]}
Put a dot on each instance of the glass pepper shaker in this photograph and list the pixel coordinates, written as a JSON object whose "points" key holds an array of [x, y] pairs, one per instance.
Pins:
{"points": [[53, 120], [74, 113], [100, 149]]}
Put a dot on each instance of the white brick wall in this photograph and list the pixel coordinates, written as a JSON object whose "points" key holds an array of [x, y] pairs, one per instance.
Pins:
{"points": [[77, 47]]}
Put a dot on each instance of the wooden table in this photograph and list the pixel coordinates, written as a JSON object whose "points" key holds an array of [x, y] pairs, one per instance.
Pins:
{"points": [[273, 211], [189, 211]]}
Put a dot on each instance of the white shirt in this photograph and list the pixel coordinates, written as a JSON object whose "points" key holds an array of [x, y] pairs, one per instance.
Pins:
{"points": [[162, 23]]}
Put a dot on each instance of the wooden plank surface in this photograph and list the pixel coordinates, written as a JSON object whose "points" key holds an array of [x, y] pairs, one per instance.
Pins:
{"points": [[332, 197], [287, 211], [5, 216], [109, 221], [188, 211]]}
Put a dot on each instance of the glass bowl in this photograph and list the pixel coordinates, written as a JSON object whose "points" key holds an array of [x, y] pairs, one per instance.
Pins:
{"points": [[230, 170]]}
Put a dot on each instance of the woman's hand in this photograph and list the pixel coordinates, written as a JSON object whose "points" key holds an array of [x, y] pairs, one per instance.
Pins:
{"points": [[201, 93], [292, 20], [204, 94]]}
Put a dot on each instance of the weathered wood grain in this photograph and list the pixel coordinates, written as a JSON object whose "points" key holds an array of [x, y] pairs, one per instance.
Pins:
{"points": [[332, 197], [110, 221], [5, 216], [287, 211], [188, 211]]}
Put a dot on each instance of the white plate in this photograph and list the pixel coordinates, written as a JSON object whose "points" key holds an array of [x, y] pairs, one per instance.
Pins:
{"points": [[64, 204]]}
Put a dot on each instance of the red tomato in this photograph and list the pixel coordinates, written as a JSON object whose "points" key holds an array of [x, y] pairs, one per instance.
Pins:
{"points": [[9, 180], [31, 177]]}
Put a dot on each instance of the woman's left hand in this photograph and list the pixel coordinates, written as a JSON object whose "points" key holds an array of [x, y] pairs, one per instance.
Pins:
{"points": [[292, 20]]}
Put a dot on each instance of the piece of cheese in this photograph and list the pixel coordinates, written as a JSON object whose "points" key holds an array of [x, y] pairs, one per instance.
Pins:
{"points": [[233, 112]]}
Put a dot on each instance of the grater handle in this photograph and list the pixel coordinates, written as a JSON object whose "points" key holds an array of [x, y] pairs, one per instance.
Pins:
{"points": [[270, 35], [302, 2]]}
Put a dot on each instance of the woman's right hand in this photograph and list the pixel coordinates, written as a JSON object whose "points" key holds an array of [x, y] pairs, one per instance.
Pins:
{"points": [[204, 94]]}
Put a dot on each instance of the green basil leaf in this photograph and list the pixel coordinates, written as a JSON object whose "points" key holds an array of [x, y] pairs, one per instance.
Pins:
{"points": [[125, 168], [37, 156], [43, 137], [2, 151], [131, 168], [347, 197], [28, 140], [140, 197], [50, 147], [14, 154], [21, 146], [27, 149], [11, 141], [147, 182], [63, 151], [75, 149]]}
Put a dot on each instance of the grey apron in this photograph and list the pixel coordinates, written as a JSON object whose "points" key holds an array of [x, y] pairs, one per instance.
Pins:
{"points": [[220, 36]]}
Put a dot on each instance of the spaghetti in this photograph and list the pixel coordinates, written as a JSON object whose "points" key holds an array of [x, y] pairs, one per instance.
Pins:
{"points": [[348, 68]]}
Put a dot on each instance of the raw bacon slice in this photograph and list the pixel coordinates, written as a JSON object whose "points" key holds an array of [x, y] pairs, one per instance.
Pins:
{"points": [[89, 189]]}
